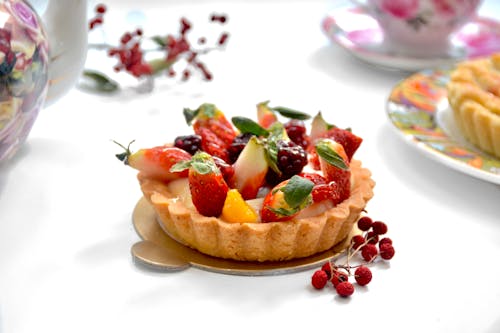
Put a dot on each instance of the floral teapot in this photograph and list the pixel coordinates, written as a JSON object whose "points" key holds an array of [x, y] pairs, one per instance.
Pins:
{"points": [[42, 51]]}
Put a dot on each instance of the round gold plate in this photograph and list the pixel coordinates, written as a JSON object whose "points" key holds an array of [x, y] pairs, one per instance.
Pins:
{"points": [[158, 250]]}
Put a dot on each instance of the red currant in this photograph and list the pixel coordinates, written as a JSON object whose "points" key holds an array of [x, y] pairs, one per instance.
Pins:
{"points": [[365, 223], [319, 279], [345, 289], [363, 275], [369, 252]]}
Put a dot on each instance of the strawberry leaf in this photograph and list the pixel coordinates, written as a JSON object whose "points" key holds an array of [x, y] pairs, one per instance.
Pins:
{"points": [[290, 113], [326, 152], [246, 125], [207, 110], [180, 166], [202, 167], [298, 191], [124, 156]]}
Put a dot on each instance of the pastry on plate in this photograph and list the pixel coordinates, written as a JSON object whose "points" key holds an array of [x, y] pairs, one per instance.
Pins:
{"points": [[474, 96], [255, 191]]}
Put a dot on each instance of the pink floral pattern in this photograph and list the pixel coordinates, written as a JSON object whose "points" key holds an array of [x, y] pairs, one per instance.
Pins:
{"points": [[403, 9]]}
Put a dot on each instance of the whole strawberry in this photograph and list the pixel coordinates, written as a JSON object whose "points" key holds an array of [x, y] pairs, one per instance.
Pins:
{"points": [[155, 162], [206, 183]]}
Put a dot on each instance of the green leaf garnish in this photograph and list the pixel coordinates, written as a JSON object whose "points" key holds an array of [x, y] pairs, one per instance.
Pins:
{"points": [[290, 113], [297, 191], [276, 132], [283, 211], [190, 114], [94, 80], [201, 162], [326, 152], [247, 125]]}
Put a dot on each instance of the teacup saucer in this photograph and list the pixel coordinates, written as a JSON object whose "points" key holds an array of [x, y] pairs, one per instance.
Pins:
{"points": [[361, 35]]}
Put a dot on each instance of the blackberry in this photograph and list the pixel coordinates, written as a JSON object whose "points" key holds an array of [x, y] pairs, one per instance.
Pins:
{"points": [[296, 131], [190, 143], [291, 160], [239, 142]]}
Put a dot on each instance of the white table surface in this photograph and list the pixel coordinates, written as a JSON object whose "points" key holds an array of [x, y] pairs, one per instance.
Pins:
{"points": [[66, 201]]}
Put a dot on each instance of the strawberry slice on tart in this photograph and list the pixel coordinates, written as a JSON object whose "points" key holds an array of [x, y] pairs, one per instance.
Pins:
{"points": [[334, 164], [155, 162], [286, 200]]}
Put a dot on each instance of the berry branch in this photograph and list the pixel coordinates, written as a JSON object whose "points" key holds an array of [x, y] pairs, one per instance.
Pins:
{"points": [[364, 244], [131, 57]]}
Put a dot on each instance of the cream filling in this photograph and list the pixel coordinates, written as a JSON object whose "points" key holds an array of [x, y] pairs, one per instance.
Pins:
{"points": [[180, 189]]}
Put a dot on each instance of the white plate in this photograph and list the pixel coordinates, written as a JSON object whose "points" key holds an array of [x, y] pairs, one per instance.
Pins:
{"points": [[419, 110], [360, 34]]}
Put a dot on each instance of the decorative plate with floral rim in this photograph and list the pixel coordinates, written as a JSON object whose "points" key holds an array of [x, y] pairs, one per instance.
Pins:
{"points": [[418, 108]]}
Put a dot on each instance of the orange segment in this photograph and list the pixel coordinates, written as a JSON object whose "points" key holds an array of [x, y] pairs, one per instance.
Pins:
{"points": [[236, 209]]}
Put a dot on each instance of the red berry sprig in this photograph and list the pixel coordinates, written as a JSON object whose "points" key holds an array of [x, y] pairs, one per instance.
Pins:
{"points": [[132, 58], [367, 247], [98, 18]]}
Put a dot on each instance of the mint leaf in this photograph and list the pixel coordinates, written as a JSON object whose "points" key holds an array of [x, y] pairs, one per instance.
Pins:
{"points": [[276, 132], [297, 191], [290, 113], [247, 125], [326, 152], [189, 114], [283, 211]]}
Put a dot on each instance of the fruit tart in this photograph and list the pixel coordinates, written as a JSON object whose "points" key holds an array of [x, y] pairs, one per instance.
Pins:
{"points": [[474, 96], [265, 190]]}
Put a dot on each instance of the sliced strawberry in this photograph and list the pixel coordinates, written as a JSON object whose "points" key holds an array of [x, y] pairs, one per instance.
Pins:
{"points": [[250, 169], [155, 162], [265, 116], [206, 183], [346, 138], [335, 165], [210, 117], [286, 200], [323, 190], [212, 144]]}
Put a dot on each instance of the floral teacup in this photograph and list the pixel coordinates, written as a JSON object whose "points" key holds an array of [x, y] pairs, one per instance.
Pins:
{"points": [[420, 27]]}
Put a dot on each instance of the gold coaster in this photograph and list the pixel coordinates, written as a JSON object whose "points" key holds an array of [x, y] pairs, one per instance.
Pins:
{"points": [[158, 250]]}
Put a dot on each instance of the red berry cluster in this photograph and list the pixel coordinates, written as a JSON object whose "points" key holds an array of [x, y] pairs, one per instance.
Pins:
{"points": [[131, 57], [98, 18], [365, 244]]}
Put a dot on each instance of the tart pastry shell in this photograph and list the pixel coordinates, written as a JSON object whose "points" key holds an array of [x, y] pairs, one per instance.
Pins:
{"points": [[271, 241]]}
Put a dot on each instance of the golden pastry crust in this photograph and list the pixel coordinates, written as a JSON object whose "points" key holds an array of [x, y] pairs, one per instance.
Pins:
{"points": [[474, 96], [272, 241]]}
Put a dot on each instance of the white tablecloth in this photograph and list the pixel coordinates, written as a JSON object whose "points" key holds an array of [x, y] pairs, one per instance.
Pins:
{"points": [[66, 201]]}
